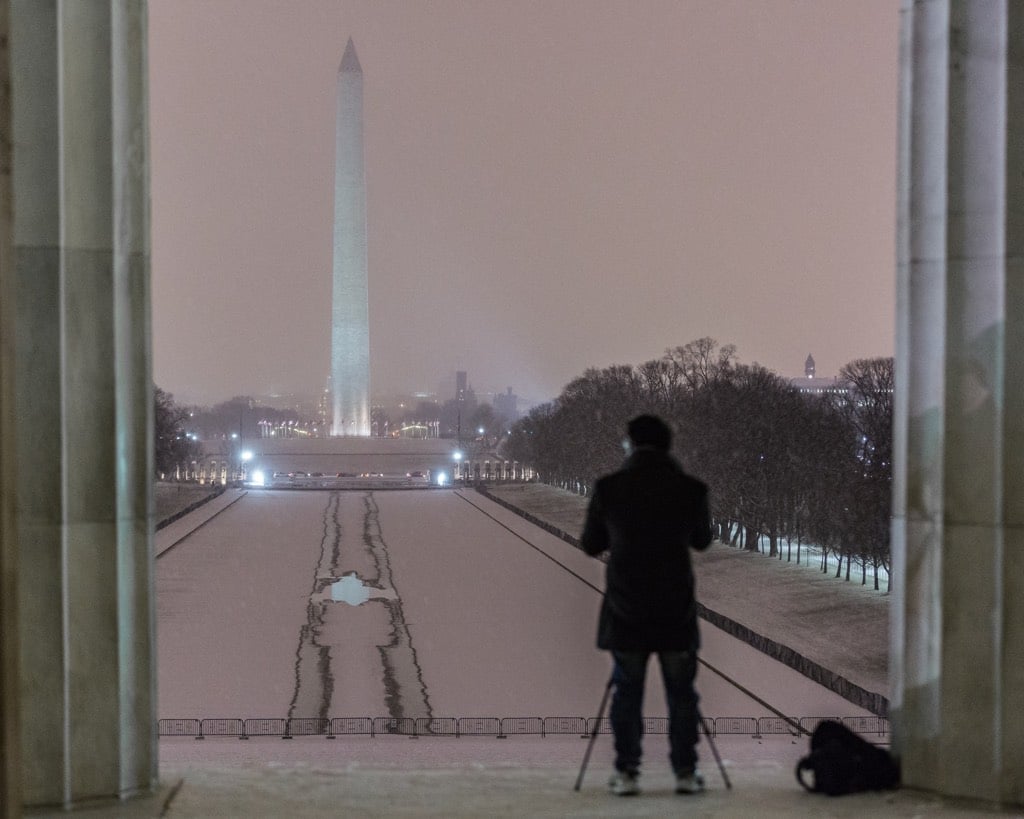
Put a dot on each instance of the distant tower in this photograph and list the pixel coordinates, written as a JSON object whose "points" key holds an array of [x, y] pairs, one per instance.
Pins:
{"points": [[809, 367], [350, 326]]}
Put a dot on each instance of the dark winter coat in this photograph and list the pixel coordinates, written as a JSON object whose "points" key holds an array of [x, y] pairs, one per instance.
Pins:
{"points": [[648, 515]]}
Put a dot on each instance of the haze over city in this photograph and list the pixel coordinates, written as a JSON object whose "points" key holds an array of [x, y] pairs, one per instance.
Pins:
{"points": [[550, 187]]}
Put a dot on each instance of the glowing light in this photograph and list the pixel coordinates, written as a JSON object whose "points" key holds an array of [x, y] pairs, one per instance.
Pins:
{"points": [[246, 455], [259, 478], [442, 478], [457, 456]]}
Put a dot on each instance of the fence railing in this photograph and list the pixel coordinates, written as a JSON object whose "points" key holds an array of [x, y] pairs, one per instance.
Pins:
{"points": [[497, 727]]}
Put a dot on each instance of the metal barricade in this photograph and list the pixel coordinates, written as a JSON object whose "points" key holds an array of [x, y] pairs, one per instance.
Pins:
{"points": [[264, 727], [810, 723], [500, 728], [655, 725], [565, 725], [345, 726], [736, 725], [307, 726], [394, 725], [604, 728], [867, 725], [179, 728], [652, 725], [437, 726], [478, 726], [777, 725], [222, 727], [521, 725]]}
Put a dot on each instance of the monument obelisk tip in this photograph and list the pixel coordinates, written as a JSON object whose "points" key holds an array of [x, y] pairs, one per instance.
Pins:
{"points": [[349, 60]]}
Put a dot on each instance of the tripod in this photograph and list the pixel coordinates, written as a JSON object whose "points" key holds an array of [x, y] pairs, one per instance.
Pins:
{"points": [[593, 732], [597, 727]]}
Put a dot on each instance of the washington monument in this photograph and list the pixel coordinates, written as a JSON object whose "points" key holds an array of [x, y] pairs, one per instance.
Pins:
{"points": [[350, 332]]}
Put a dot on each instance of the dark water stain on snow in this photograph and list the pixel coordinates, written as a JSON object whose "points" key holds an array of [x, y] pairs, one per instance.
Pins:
{"points": [[405, 692], [314, 682]]}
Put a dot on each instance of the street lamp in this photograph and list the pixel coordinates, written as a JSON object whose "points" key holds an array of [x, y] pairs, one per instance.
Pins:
{"points": [[244, 457]]}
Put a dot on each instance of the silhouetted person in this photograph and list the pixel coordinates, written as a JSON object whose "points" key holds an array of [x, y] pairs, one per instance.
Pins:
{"points": [[648, 515]]}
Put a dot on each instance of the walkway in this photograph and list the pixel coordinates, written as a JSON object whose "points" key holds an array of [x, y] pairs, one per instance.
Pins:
{"points": [[296, 788]]}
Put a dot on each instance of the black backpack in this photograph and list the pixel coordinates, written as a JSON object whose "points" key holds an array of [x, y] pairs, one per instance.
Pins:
{"points": [[843, 762]]}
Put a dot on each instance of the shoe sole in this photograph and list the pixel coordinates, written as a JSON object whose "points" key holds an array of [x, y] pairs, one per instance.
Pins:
{"points": [[692, 790]]}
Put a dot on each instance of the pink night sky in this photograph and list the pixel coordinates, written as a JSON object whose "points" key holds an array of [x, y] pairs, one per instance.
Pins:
{"points": [[550, 186]]}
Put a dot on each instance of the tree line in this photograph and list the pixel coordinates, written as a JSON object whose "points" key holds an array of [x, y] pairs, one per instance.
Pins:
{"points": [[786, 469], [178, 429]]}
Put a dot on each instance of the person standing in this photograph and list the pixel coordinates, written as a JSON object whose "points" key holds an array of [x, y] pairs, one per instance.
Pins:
{"points": [[647, 516]]}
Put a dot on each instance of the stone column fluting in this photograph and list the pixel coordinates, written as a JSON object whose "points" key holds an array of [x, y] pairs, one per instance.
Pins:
{"points": [[83, 521], [10, 735], [956, 626], [136, 517], [39, 460]]}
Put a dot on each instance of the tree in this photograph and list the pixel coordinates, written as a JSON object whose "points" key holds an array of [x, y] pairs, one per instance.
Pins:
{"points": [[244, 417], [426, 412], [868, 406], [702, 362], [527, 440], [171, 443], [379, 422], [780, 464]]}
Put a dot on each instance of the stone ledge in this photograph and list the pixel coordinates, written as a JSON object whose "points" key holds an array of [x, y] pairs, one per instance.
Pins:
{"points": [[190, 508]]}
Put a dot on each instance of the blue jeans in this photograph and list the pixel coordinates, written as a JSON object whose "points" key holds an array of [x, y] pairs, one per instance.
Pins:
{"points": [[678, 669]]}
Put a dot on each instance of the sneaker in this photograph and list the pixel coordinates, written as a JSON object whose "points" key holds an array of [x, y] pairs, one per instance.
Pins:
{"points": [[692, 782], [624, 783]]}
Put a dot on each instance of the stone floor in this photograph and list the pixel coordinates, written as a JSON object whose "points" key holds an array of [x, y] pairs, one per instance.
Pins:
{"points": [[298, 791]]}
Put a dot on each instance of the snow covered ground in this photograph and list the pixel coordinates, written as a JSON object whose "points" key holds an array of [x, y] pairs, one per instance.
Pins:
{"points": [[461, 609], [277, 604], [843, 626]]}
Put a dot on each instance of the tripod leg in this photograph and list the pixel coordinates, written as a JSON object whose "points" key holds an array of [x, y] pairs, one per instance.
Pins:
{"points": [[593, 734], [714, 751]]}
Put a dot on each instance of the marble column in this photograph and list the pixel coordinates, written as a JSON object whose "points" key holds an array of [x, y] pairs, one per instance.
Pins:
{"points": [[136, 515], [10, 737], [83, 399], [39, 512], [957, 618]]}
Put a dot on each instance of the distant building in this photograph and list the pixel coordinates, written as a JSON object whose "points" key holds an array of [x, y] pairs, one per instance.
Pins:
{"points": [[507, 405], [811, 384], [465, 397]]}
